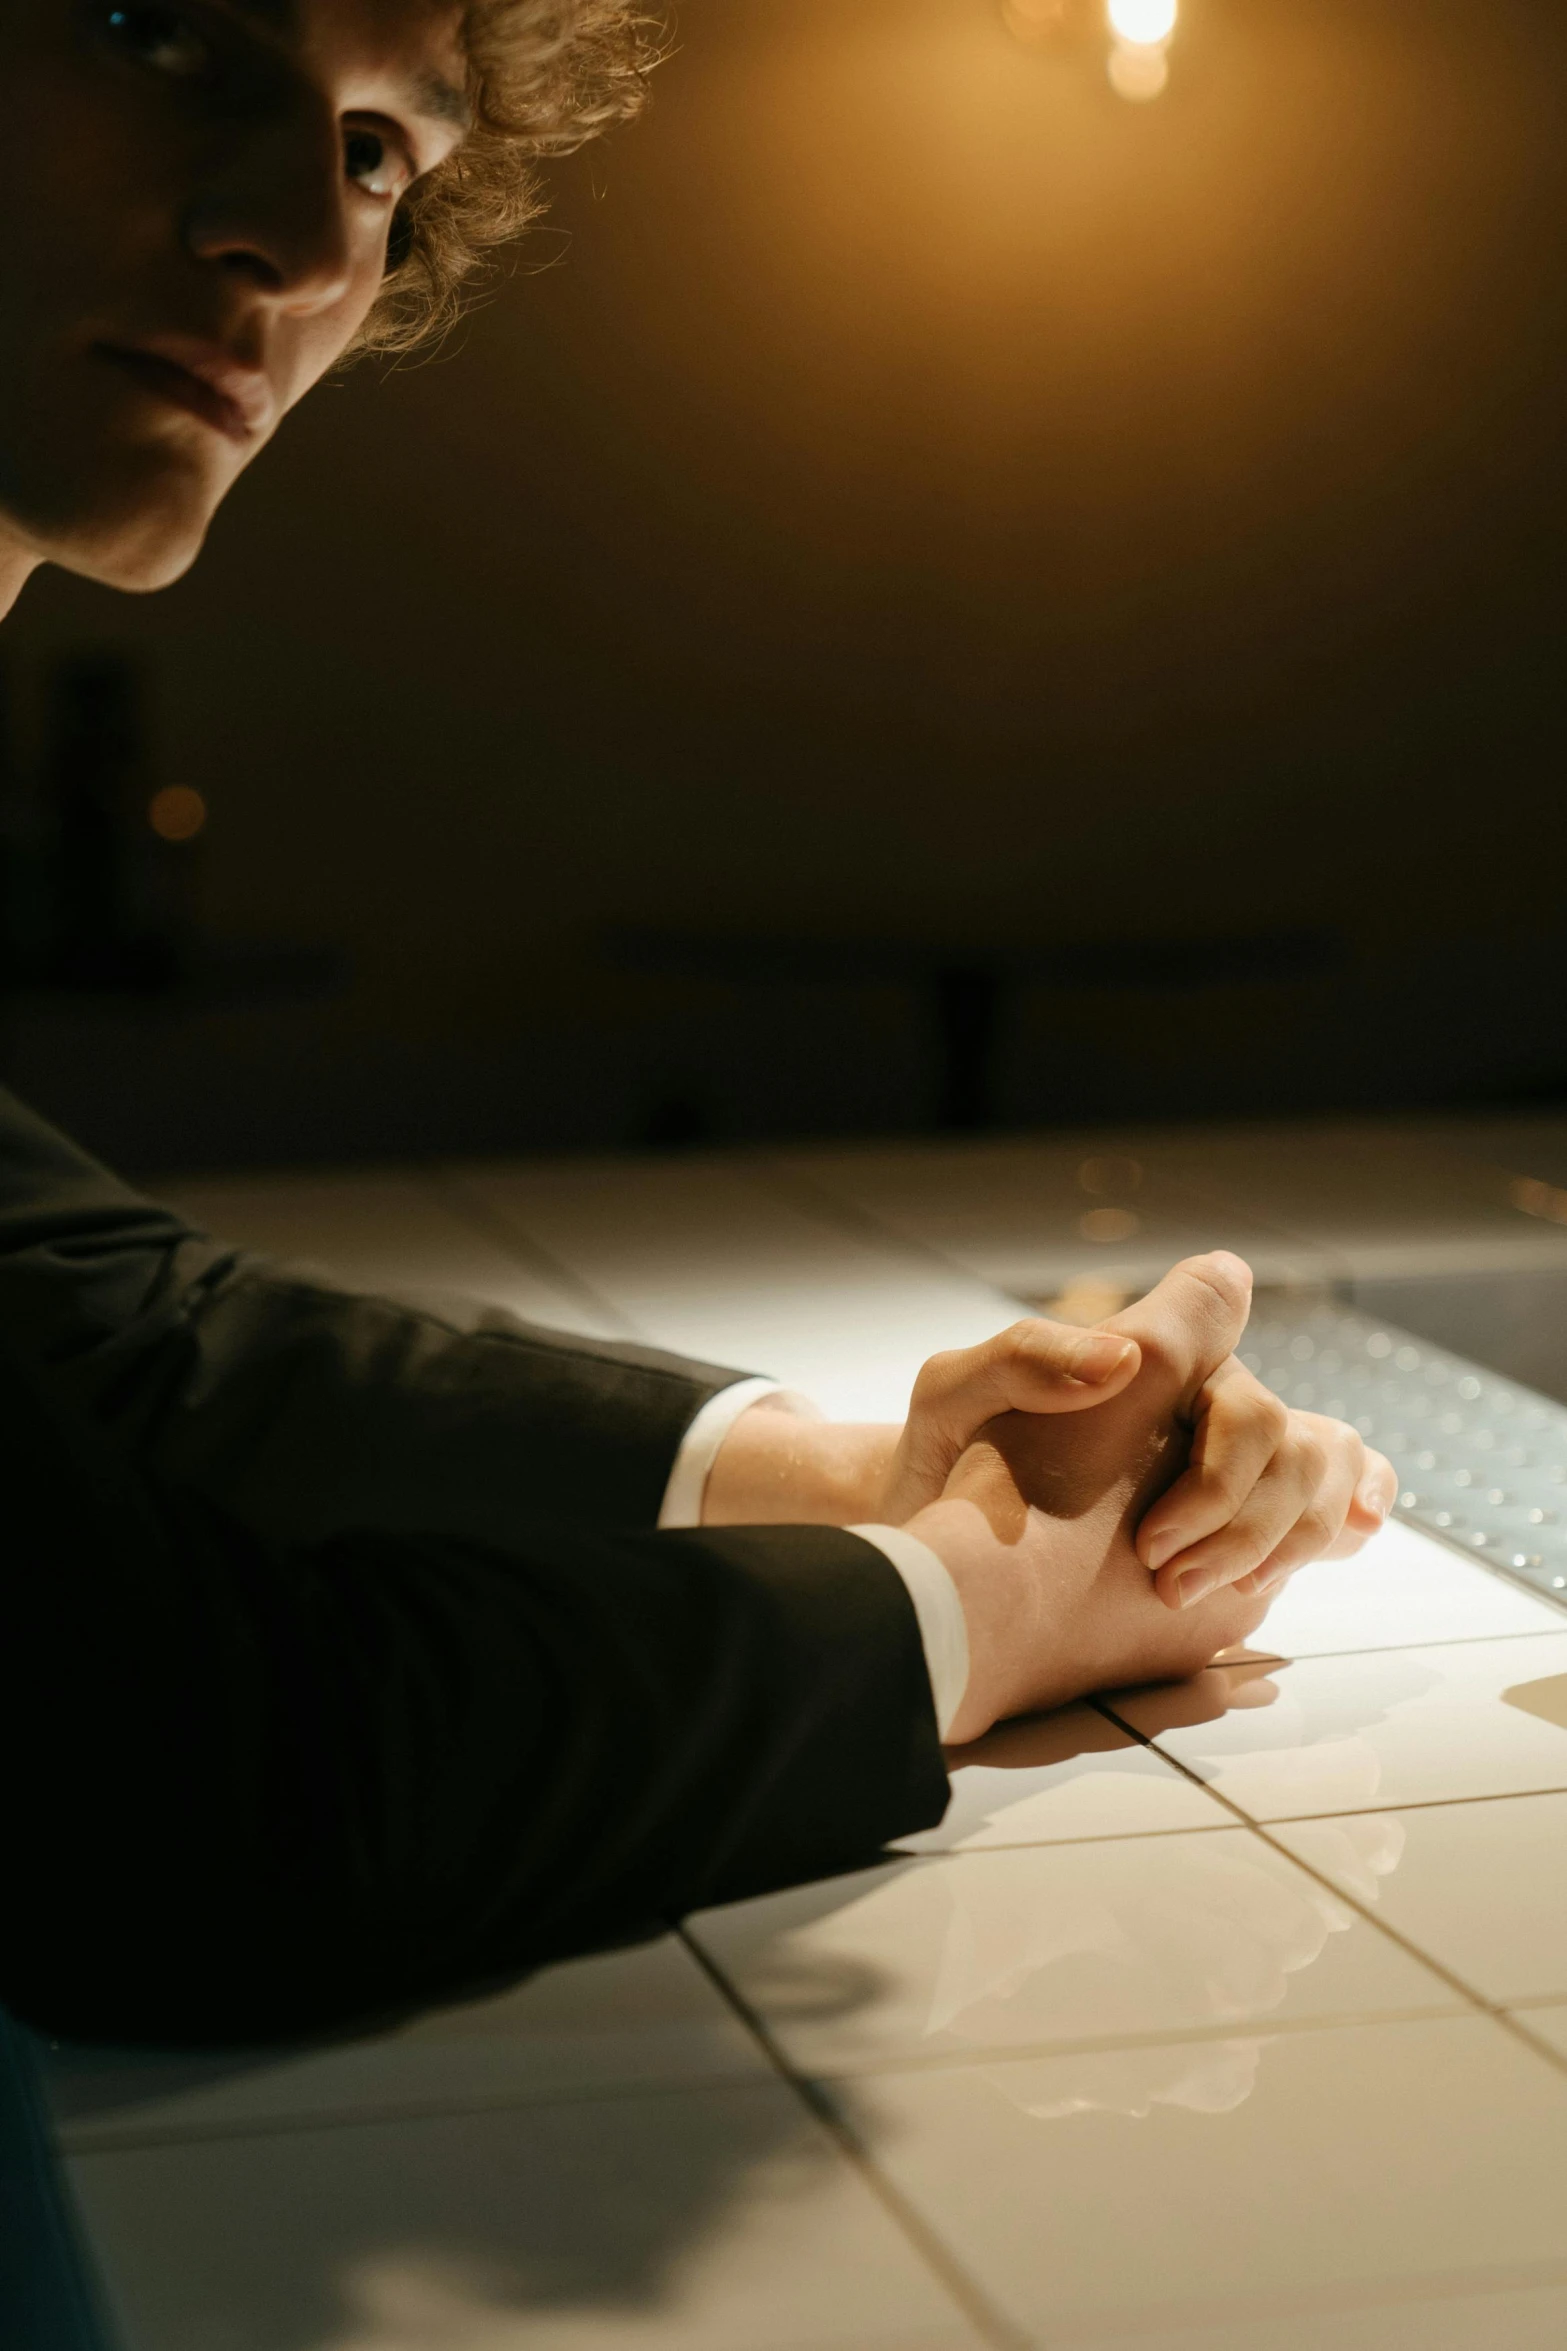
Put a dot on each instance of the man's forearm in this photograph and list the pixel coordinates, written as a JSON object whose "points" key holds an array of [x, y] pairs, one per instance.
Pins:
{"points": [[777, 1467]]}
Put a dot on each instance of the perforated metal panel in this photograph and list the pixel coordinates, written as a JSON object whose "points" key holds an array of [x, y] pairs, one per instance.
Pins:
{"points": [[1481, 1461]]}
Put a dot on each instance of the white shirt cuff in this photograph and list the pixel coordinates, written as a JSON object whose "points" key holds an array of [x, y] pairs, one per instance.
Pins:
{"points": [[939, 1611], [682, 1503], [943, 1626]]}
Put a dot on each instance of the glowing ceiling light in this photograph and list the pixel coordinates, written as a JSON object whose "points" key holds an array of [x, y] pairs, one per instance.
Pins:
{"points": [[1144, 24]]}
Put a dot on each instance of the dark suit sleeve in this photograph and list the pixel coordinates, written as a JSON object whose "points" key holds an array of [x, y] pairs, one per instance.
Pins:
{"points": [[297, 1733], [299, 1407]]}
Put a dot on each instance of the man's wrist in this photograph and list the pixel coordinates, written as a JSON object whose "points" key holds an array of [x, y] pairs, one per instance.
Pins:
{"points": [[778, 1468], [993, 1591]]}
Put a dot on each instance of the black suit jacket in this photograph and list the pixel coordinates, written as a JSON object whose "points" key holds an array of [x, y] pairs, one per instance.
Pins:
{"points": [[341, 1671]]}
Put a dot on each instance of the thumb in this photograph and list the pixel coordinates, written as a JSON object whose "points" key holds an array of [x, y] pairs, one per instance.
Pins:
{"points": [[1191, 1321], [1035, 1366]]}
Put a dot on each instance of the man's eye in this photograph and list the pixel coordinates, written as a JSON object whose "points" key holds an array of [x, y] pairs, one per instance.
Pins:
{"points": [[375, 164], [160, 38]]}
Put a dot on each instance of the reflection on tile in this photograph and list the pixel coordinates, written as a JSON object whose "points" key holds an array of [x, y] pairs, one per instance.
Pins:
{"points": [[1480, 1887], [1403, 1589], [1057, 1776], [629, 2018], [1357, 1733], [1056, 1944], [710, 2220], [1214, 2186], [715, 1258]]}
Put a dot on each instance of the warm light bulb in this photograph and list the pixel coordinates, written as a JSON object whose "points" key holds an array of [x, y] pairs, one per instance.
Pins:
{"points": [[1144, 23]]}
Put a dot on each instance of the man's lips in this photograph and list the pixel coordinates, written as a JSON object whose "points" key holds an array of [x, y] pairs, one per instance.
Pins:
{"points": [[236, 400]]}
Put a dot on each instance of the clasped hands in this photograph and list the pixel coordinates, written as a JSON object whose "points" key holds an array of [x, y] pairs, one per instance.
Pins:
{"points": [[1113, 1505]]}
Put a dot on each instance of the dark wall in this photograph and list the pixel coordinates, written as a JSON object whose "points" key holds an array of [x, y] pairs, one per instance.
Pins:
{"points": [[911, 495]]}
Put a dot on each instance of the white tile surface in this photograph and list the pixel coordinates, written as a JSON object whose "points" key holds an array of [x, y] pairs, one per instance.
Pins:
{"points": [[1197, 2152], [716, 2220], [716, 1260], [1402, 1590], [1053, 1945], [1035, 1217], [1368, 1732], [1523, 2318], [1549, 2024], [1069, 1774], [1313, 2181], [1480, 1887], [382, 1231], [629, 2018]]}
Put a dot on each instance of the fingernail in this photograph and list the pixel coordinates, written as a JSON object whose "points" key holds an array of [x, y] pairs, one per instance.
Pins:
{"points": [[1099, 1356], [1164, 1546], [1196, 1584], [1375, 1505]]}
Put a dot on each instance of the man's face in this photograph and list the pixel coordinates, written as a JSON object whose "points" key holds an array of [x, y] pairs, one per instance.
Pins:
{"points": [[194, 206]]}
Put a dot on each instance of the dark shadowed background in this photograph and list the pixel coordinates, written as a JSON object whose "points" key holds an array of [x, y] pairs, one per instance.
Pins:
{"points": [[931, 593]]}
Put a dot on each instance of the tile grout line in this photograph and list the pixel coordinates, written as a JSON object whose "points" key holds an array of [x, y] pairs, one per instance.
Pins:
{"points": [[90, 2139], [1548, 1632], [1208, 1828], [1242, 2028], [1288, 1820], [1493, 2009], [447, 1188], [997, 2330], [836, 1213], [1511, 2022], [1196, 1828], [87, 2139]]}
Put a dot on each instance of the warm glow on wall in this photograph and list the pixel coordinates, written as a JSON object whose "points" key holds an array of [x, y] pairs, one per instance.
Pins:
{"points": [[1140, 31]]}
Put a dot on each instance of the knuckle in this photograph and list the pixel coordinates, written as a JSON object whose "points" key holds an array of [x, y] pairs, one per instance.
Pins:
{"points": [[1160, 1356], [1311, 1458], [1314, 1530], [1271, 1415], [936, 1376], [1344, 1444]]}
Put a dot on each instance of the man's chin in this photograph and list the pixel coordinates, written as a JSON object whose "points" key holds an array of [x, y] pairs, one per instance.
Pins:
{"points": [[136, 553], [137, 528], [138, 569]]}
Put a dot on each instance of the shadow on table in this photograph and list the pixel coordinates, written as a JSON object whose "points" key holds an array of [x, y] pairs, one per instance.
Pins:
{"points": [[454, 2228], [422, 2220], [451, 2230]]}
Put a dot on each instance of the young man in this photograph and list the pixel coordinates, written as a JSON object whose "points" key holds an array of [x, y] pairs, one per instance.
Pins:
{"points": [[348, 1659]]}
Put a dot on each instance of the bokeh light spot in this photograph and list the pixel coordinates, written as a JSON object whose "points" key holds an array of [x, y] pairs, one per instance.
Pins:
{"points": [[177, 813], [1109, 1224]]}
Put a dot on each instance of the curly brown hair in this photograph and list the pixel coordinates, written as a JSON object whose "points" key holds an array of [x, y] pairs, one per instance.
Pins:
{"points": [[543, 76]]}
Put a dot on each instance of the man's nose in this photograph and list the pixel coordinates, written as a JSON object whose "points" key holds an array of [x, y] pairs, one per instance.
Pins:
{"points": [[276, 215]]}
